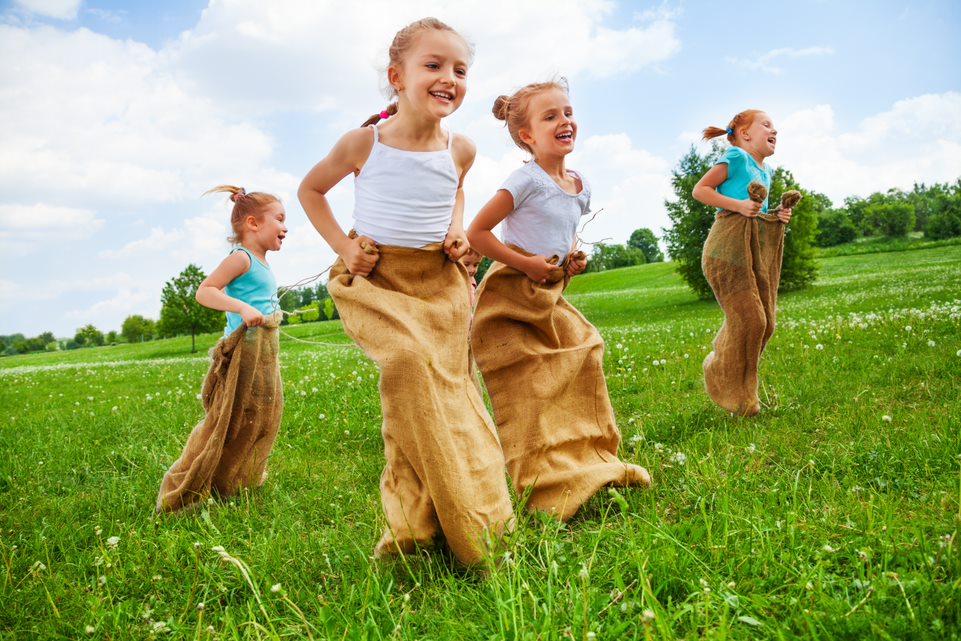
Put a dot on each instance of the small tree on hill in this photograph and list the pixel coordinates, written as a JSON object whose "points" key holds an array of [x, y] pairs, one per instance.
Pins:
{"points": [[137, 329], [181, 313], [89, 336], [645, 240]]}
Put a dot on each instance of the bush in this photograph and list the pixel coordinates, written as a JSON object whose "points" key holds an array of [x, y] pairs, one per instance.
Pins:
{"points": [[943, 225], [835, 228]]}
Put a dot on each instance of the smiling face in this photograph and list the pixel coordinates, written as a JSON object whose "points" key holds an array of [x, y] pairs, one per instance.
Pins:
{"points": [[269, 230], [433, 74], [551, 129], [760, 137]]}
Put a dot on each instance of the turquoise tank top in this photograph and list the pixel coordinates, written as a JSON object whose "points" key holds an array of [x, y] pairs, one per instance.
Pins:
{"points": [[257, 287], [742, 170]]}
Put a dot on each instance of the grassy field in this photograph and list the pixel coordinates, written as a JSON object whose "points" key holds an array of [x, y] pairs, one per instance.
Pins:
{"points": [[835, 514]]}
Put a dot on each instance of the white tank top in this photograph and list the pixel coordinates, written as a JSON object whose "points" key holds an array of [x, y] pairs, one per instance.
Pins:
{"points": [[405, 198]]}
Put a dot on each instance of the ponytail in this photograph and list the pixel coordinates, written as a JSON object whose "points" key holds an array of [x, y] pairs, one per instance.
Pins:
{"points": [[743, 119], [383, 115]]}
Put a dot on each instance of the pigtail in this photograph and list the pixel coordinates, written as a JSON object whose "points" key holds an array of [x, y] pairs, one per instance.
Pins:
{"points": [[714, 132], [236, 193], [383, 115]]}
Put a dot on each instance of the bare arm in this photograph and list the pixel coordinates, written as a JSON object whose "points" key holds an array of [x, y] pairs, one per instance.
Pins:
{"points": [[456, 243], [705, 191], [347, 156], [211, 292], [484, 241]]}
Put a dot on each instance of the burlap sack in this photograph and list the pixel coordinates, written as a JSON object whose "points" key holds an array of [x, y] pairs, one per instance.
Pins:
{"points": [[243, 400], [742, 262], [444, 470], [542, 362]]}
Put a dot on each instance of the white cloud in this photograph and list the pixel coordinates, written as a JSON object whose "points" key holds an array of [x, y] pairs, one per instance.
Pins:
{"points": [[59, 9], [24, 228], [917, 140], [766, 61]]}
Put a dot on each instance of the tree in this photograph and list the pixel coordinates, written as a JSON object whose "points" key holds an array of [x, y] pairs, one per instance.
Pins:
{"points": [[330, 310], [605, 257], [181, 313], [835, 228], [137, 329], [692, 222], [89, 336], [892, 218], [645, 240], [798, 267]]}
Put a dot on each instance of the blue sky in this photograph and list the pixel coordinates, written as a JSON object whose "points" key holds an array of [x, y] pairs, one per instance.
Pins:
{"points": [[116, 116]]}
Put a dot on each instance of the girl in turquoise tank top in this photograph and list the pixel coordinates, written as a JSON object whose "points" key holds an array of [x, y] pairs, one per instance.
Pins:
{"points": [[741, 259], [242, 393]]}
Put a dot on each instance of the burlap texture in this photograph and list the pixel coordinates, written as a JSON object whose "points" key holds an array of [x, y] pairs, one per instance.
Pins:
{"points": [[742, 262], [444, 466], [542, 363], [244, 402]]}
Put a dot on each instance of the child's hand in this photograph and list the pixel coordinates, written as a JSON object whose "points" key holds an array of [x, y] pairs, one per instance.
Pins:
{"points": [[360, 255], [784, 215], [252, 318], [576, 264], [538, 268], [455, 244], [748, 208]]}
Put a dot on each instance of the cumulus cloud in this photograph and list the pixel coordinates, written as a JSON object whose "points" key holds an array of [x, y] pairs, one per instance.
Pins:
{"points": [[24, 228], [59, 9], [917, 140], [766, 62]]}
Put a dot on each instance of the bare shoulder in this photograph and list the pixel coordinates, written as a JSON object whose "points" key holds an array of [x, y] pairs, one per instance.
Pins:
{"points": [[463, 150], [356, 142]]}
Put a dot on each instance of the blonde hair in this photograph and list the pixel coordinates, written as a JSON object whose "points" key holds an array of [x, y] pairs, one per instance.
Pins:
{"points": [[513, 110], [400, 45], [245, 204], [743, 119]]}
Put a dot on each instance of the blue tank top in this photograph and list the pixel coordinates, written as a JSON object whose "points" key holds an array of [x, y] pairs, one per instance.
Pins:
{"points": [[257, 287], [742, 170]]}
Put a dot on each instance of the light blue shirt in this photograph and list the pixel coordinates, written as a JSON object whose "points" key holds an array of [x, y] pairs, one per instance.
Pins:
{"points": [[742, 170], [257, 287]]}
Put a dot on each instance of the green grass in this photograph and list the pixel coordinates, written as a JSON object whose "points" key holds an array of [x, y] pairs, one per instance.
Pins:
{"points": [[835, 514]]}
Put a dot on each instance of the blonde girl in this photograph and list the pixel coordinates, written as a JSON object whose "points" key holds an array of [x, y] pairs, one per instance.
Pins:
{"points": [[403, 297], [741, 259], [541, 359], [242, 393]]}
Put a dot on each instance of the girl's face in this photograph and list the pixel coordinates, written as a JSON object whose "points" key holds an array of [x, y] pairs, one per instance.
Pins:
{"points": [[433, 76], [551, 129], [268, 232], [760, 137]]}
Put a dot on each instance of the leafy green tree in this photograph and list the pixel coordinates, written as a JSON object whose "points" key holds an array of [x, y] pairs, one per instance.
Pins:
{"points": [[944, 220], [330, 310], [137, 329], [645, 240], [798, 267], [307, 296], [89, 336], [604, 257], [891, 218], [835, 228], [181, 313], [691, 220]]}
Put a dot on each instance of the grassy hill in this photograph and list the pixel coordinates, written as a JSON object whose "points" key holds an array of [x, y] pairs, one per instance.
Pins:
{"points": [[834, 514]]}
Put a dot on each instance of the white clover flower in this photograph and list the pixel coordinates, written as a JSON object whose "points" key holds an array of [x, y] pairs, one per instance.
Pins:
{"points": [[932, 344], [648, 616], [90, 629], [114, 408], [827, 548], [275, 588], [886, 418], [655, 362], [113, 541], [819, 347], [680, 458], [97, 530], [406, 597], [907, 328], [584, 574], [751, 448]]}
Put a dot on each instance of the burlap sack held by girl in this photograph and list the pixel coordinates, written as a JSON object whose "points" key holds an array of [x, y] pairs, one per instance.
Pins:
{"points": [[243, 400], [543, 367], [445, 469], [742, 262]]}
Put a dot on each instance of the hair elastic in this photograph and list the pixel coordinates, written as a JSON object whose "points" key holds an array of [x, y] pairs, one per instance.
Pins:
{"points": [[240, 194], [384, 115], [730, 132]]}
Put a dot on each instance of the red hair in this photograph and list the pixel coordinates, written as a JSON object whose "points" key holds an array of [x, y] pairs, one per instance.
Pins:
{"points": [[245, 204], [740, 121]]}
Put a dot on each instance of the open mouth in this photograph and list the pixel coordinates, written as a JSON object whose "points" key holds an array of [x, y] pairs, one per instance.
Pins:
{"points": [[772, 140], [443, 95], [567, 136]]}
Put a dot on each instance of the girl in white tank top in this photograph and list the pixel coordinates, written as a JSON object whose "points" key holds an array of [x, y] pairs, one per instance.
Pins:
{"points": [[404, 298]]}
